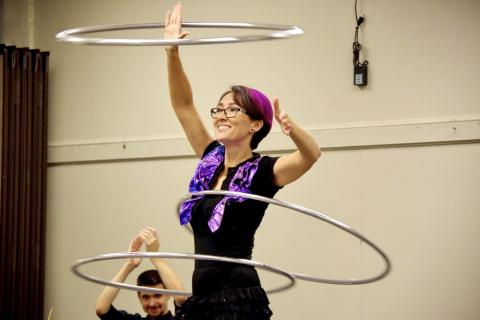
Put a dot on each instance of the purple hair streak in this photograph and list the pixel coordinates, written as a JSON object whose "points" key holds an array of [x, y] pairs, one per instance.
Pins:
{"points": [[263, 105]]}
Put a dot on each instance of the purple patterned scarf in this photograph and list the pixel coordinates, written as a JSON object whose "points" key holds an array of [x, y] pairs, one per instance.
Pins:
{"points": [[201, 181]]}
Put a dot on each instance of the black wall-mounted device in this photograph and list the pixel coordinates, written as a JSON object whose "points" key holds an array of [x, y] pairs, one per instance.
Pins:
{"points": [[360, 69], [360, 74]]}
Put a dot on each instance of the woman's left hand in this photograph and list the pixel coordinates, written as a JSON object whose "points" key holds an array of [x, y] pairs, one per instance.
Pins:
{"points": [[282, 117]]}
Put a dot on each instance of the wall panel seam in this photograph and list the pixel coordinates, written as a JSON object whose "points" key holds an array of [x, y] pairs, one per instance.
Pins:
{"points": [[350, 136]]}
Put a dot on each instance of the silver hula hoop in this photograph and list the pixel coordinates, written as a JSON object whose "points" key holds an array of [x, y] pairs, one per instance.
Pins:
{"points": [[125, 255], [311, 213], [280, 31]]}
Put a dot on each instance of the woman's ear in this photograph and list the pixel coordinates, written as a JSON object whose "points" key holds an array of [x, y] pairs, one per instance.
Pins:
{"points": [[257, 125]]}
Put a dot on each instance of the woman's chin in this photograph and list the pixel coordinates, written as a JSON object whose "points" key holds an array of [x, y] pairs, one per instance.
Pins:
{"points": [[220, 137]]}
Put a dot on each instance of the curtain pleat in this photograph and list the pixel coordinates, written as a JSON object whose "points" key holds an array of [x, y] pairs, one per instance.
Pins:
{"points": [[23, 129]]}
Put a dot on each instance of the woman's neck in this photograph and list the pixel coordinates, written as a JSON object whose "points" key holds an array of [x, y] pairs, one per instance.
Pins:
{"points": [[235, 154]]}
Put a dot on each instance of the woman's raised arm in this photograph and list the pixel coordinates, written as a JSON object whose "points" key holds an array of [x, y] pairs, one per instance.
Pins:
{"points": [[181, 96]]}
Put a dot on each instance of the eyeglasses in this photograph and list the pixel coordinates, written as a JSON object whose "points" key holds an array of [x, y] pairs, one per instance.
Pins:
{"points": [[230, 112]]}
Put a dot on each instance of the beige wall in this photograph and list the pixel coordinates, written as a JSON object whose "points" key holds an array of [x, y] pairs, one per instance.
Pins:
{"points": [[16, 22], [400, 161]]}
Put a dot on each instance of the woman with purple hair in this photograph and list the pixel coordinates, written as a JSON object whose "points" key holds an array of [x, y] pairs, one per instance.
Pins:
{"points": [[224, 225]]}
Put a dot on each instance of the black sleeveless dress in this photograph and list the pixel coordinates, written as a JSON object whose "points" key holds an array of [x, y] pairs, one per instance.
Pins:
{"points": [[228, 291]]}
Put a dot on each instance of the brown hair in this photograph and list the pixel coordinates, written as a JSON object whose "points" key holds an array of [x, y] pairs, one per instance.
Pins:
{"points": [[149, 278], [257, 106]]}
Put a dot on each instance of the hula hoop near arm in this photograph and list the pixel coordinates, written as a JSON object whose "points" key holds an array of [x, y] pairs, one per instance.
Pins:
{"points": [[314, 214], [124, 255], [278, 31]]}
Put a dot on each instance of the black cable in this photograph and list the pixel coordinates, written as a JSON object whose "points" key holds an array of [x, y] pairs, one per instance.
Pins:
{"points": [[356, 45]]}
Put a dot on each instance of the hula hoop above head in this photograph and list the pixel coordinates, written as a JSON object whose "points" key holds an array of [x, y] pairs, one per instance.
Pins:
{"points": [[278, 31], [311, 213], [125, 255]]}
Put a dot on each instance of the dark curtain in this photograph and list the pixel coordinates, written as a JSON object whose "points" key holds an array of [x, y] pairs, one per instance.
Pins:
{"points": [[23, 144]]}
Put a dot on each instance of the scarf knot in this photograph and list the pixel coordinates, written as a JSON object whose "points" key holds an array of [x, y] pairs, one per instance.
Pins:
{"points": [[202, 179]]}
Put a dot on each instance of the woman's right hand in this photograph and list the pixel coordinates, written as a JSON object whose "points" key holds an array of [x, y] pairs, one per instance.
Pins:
{"points": [[173, 24]]}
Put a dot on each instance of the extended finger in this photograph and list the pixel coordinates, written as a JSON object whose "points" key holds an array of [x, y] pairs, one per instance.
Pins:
{"points": [[283, 116], [153, 232], [149, 237], [135, 245], [167, 17], [147, 232], [151, 229], [177, 16], [136, 240], [276, 107], [143, 237]]}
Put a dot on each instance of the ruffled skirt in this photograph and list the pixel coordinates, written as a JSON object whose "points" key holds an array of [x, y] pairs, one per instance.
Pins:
{"points": [[249, 303]]}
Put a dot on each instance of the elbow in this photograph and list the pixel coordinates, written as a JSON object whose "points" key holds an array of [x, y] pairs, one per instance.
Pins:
{"points": [[310, 157], [180, 300], [318, 153], [100, 310], [315, 155]]}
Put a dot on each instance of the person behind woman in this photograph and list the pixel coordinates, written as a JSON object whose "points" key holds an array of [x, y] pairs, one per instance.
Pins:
{"points": [[155, 305], [224, 225]]}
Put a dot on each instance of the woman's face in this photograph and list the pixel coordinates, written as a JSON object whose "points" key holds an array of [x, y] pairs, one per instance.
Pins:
{"points": [[233, 129]]}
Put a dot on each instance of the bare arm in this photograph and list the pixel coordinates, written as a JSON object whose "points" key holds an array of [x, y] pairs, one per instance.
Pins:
{"points": [[108, 295], [292, 166], [168, 276], [181, 96]]}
